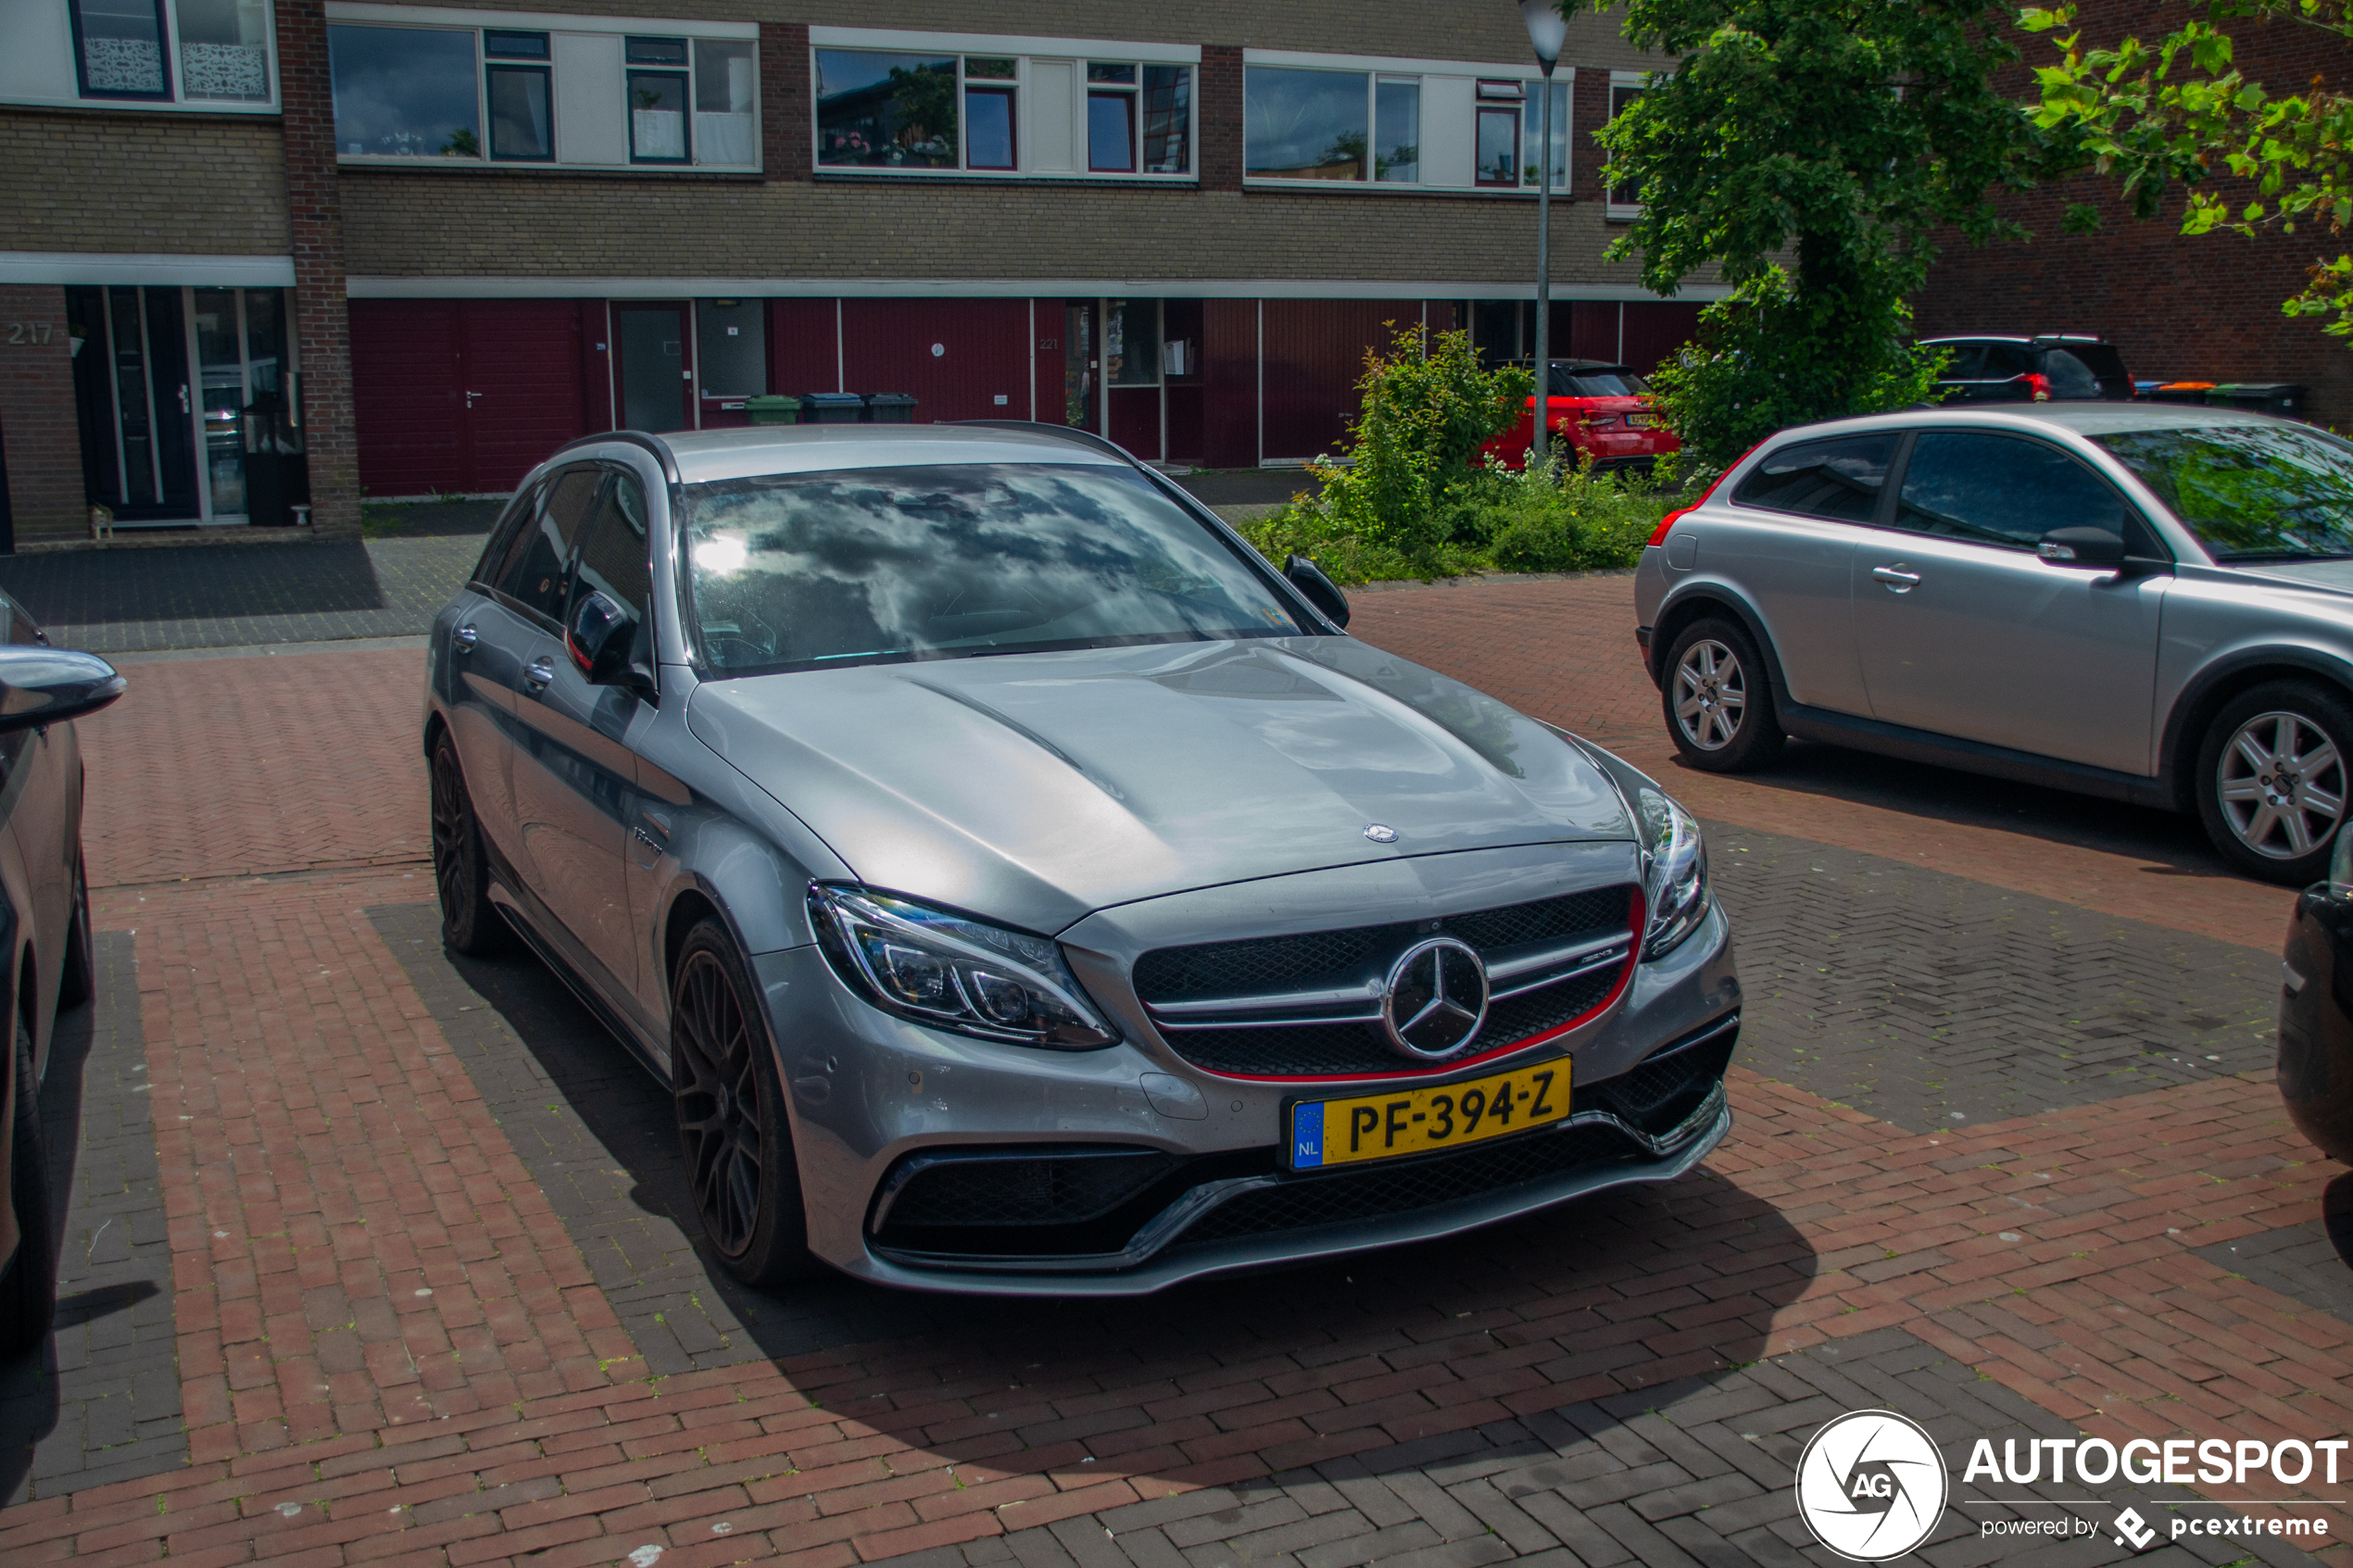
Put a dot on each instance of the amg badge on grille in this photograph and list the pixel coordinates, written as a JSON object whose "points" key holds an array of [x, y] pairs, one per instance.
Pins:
{"points": [[1435, 1000]]}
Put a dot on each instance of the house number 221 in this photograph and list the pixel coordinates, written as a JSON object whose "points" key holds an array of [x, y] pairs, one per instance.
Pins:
{"points": [[29, 332]]}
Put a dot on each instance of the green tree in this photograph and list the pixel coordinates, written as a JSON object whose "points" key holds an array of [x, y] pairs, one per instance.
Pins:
{"points": [[1808, 149], [2181, 113]]}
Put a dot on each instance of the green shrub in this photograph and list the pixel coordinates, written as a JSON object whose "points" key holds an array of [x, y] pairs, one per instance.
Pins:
{"points": [[1576, 519]]}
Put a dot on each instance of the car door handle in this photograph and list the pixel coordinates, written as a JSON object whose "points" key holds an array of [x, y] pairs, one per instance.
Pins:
{"points": [[465, 637], [1896, 578], [537, 674]]}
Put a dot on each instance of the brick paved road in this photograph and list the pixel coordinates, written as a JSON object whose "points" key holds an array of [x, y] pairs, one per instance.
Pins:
{"points": [[434, 1305]]}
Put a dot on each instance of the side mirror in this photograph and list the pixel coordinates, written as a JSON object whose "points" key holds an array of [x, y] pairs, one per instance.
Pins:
{"points": [[41, 686], [599, 640], [2092, 548], [1317, 589]]}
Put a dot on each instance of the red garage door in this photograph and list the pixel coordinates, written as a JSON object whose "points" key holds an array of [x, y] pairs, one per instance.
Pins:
{"points": [[1315, 352], [463, 395], [959, 358]]}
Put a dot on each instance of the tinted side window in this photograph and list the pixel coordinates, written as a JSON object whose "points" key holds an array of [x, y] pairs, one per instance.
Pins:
{"points": [[532, 575], [510, 522], [2004, 360], [614, 560], [1840, 480], [1968, 361], [2001, 490]]}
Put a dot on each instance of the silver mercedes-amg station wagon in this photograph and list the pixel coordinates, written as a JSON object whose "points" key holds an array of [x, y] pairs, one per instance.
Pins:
{"points": [[1023, 888]]}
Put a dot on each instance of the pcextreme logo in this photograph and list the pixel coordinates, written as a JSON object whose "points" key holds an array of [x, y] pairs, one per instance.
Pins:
{"points": [[1872, 1484]]}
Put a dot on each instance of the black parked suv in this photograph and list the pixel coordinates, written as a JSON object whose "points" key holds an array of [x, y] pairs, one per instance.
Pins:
{"points": [[2055, 368]]}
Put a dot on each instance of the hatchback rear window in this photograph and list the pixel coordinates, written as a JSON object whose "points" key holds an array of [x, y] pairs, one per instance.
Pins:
{"points": [[866, 565], [1839, 480]]}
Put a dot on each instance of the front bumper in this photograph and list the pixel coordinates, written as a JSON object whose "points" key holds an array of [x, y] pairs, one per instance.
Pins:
{"points": [[870, 1095]]}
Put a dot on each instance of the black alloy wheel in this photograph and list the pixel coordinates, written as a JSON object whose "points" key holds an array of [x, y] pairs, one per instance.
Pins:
{"points": [[470, 922], [29, 1281], [732, 1127]]}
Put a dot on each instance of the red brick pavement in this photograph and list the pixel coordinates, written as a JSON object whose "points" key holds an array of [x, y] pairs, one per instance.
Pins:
{"points": [[335, 1163]]}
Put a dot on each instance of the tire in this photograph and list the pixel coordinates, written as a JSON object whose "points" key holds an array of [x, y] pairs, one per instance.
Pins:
{"points": [[470, 922], [733, 1131], [2278, 826], [80, 981], [29, 1283], [1718, 701]]}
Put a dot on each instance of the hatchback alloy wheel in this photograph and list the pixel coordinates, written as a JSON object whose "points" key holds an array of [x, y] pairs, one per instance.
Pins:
{"points": [[2282, 785], [1711, 695], [718, 1088]]}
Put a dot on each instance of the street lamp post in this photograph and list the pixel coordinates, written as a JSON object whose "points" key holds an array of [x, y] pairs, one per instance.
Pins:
{"points": [[1547, 30]]}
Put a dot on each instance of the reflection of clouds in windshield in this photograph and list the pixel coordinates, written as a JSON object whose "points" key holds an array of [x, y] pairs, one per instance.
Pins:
{"points": [[796, 568]]}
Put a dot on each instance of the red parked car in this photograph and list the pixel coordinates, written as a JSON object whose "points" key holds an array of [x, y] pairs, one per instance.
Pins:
{"points": [[1595, 408]]}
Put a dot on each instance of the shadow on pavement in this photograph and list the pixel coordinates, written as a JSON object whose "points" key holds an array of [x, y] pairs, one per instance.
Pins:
{"points": [[2172, 842], [28, 1384], [193, 582], [2336, 1215], [596, 1132]]}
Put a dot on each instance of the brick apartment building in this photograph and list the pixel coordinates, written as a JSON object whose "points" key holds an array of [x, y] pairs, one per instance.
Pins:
{"points": [[2202, 310], [427, 243]]}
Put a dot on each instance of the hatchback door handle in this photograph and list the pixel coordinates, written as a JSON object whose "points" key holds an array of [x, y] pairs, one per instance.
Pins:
{"points": [[537, 674], [465, 637], [1896, 578]]}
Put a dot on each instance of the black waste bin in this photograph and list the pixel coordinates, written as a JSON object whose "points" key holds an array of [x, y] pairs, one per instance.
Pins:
{"points": [[889, 408], [832, 407], [2283, 399], [277, 468]]}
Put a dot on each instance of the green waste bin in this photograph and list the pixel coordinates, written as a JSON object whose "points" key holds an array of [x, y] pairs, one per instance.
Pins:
{"points": [[774, 409]]}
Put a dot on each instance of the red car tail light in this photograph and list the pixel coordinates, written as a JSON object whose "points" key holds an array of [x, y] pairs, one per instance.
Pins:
{"points": [[2039, 385], [1658, 534]]}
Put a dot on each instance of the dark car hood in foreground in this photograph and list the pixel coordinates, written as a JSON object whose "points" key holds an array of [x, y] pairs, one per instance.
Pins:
{"points": [[1037, 788]]}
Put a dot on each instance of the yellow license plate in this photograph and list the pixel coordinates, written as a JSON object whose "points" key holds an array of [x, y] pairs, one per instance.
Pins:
{"points": [[1340, 1132]]}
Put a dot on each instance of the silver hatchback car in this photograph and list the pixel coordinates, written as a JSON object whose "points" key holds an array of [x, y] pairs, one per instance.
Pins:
{"points": [[1021, 887], [2150, 603]]}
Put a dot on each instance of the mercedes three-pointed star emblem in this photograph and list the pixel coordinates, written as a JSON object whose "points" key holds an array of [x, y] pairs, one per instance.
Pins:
{"points": [[1435, 1000]]}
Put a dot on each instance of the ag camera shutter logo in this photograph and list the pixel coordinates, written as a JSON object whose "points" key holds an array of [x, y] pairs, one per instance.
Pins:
{"points": [[1871, 1485]]}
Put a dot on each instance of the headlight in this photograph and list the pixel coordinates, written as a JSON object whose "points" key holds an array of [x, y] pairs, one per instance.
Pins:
{"points": [[954, 973], [1674, 873]]}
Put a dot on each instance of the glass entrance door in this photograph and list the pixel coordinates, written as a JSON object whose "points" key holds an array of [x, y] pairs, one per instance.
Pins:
{"points": [[239, 354]]}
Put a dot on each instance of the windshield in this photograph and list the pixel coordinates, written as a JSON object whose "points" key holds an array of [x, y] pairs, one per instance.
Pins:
{"points": [[797, 571], [2250, 493]]}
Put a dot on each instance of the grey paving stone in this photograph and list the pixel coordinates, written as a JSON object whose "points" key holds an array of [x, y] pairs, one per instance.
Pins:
{"points": [[2301, 1262], [102, 1404]]}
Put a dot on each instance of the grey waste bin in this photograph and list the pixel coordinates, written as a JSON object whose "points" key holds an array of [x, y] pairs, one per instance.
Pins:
{"points": [[831, 407], [890, 408], [2283, 399]]}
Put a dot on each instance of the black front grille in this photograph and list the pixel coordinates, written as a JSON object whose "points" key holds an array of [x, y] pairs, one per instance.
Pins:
{"points": [[1387, 1191], [1359, 957], [1325, 959]]}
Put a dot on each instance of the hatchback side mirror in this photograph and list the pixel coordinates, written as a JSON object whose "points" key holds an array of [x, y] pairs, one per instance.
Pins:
{"points": [[2093, 548], [1317, 589], [599, 640], [39, 686]]}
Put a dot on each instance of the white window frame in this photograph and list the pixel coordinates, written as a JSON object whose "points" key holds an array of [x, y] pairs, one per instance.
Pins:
{"points": [[31, 24], [1618, 81], [1076, 52], [435, 18], [1463, 74]]}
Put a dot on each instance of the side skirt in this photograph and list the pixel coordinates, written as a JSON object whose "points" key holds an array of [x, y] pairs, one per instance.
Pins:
{"points": [[1975, 757]]}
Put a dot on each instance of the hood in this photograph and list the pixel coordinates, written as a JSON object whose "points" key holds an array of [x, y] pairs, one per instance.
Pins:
{"points": [[1036, 788], [2337, 574]]}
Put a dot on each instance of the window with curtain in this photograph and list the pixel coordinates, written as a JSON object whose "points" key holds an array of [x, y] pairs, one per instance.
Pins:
{"points": [[120, 45], [224, 51], [726, 101]]}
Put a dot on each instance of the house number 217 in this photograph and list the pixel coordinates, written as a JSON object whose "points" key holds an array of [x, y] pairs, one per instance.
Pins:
{"points": [[29, 332]]}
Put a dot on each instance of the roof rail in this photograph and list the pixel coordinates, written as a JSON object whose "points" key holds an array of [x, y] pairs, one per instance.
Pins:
{"points": [[654, 444], [1058, 432]]}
